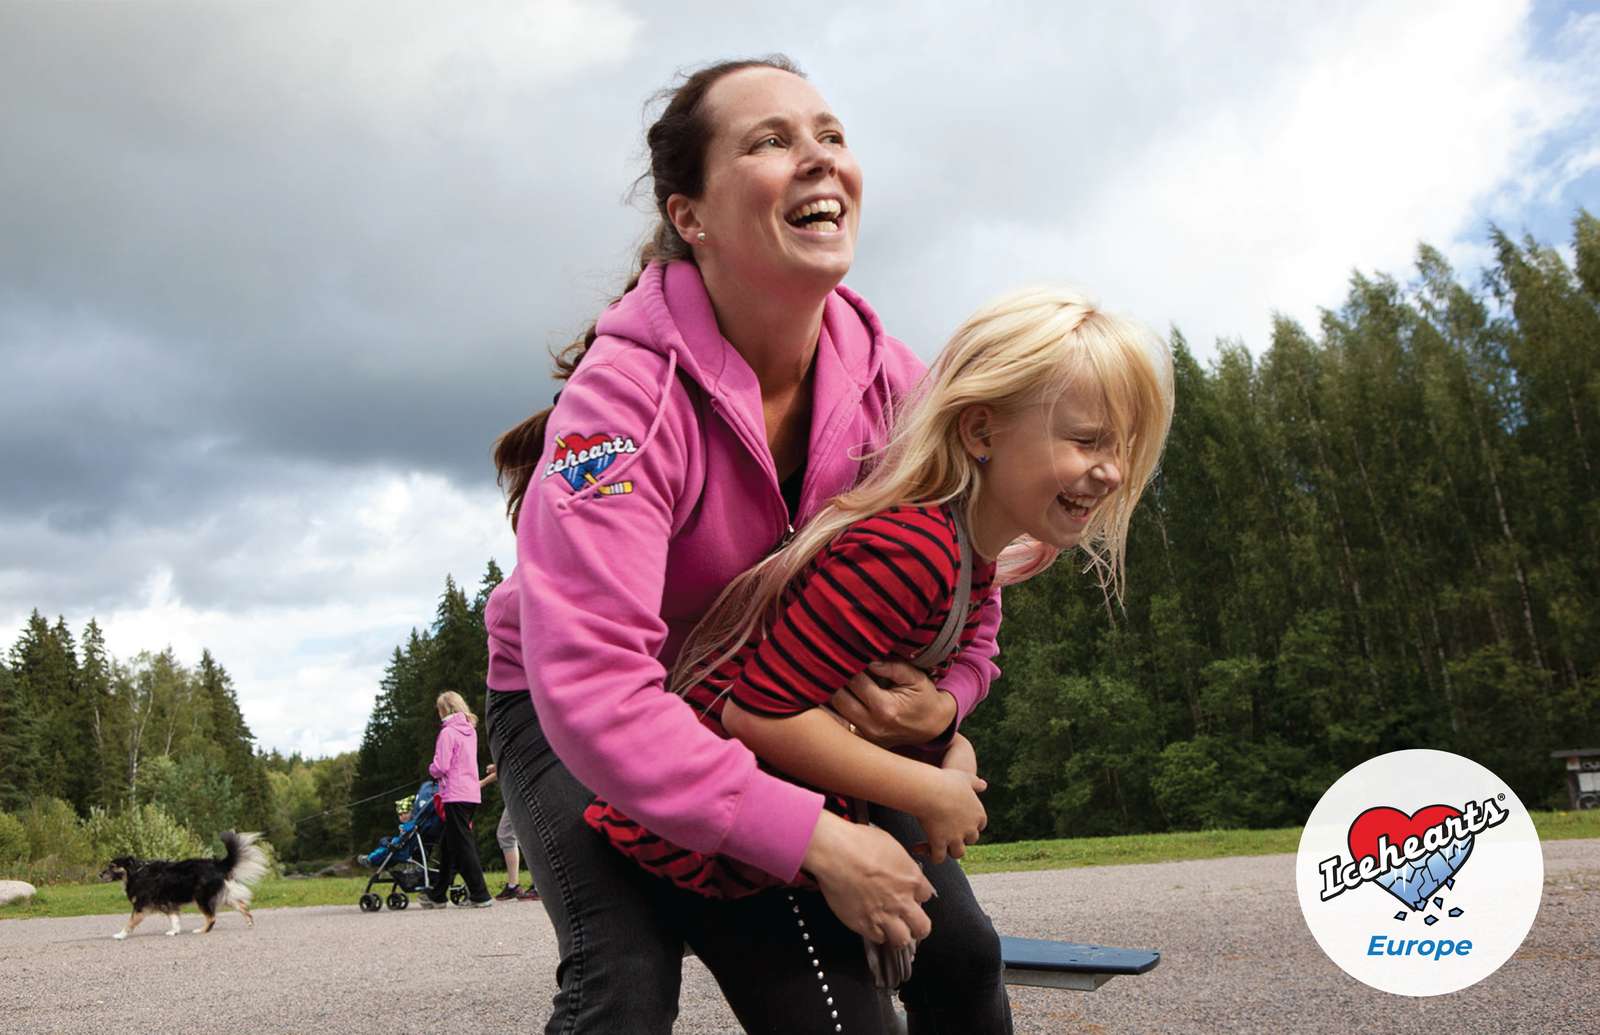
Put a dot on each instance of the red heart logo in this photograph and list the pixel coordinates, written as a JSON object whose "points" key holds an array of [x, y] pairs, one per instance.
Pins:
{"points": [[1395, 825], [575, 444]]}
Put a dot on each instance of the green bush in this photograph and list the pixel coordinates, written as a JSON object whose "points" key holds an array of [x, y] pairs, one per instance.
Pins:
{"points": [[144, 831], [56, 834], [52, 847], [193, 790], [13, 843]]}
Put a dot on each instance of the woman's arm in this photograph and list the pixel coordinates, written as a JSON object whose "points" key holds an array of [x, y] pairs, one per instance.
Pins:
{"points": [[443, 746], [591, 570], [815, 747], [973, 670]]}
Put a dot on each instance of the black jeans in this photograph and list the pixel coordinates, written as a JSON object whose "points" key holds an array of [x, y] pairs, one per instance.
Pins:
{"points": [[458, 853], [621, 931], [620, 958], [958, 980]]}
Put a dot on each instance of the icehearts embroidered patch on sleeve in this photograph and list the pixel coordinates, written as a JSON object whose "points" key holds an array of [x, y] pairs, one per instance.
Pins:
{"points": [[581, 459]]}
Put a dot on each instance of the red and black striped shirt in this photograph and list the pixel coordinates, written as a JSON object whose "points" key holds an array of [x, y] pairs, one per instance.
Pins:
{"points": [[882, 589]]}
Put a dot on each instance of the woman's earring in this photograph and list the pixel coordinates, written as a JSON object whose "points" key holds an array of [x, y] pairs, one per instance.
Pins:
{"points": [[701, 237], [983, 459]]}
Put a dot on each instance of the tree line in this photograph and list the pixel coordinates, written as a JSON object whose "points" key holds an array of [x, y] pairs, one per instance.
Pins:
{"points": [[149, 755], [1380, 535], [1383, 535]]}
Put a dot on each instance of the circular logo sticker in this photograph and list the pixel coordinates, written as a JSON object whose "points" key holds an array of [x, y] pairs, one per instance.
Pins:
{"points": [[1419, 872]]}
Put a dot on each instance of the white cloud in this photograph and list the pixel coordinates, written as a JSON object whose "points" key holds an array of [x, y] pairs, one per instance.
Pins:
{"points": [[302, 597], [268, 264], [1206, 172]]}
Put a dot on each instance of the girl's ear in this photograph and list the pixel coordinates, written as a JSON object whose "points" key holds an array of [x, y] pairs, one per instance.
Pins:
{"points": [[976, 425]]}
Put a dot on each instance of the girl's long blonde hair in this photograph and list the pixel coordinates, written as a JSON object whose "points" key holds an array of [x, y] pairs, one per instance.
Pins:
{"points": [[1025, 349], [450, 702]]}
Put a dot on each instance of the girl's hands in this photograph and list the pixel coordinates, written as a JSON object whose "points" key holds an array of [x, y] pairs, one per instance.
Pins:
{"points": [[960, 755], [953, 817], [869, 881]]}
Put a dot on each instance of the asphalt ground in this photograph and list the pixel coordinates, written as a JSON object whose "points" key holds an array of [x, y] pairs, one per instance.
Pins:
{"points": [[1236, 957]]}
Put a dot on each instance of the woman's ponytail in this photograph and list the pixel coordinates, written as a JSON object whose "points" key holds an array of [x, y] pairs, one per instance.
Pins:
{"points": [[517, 452]]}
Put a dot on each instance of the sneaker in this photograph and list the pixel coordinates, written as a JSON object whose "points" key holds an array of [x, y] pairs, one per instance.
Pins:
{"points": [[427, 903], [530, 895], [485, 904], [510, 891]]}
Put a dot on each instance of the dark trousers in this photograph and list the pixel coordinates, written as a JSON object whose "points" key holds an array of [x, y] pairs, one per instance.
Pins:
{"points": [[621, 931], [958, 980], [458, 853], [620, 958]]}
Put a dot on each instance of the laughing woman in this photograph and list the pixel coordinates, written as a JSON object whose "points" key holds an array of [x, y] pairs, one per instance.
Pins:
{"points": [[715, 407]]}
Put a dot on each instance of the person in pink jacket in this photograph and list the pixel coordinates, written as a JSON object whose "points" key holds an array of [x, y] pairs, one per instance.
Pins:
{"points": [[455, 766], [720, 402]]}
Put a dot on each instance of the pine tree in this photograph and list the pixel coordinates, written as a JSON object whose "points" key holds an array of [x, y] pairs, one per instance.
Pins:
{"points": [[229, 730], [25, 763], [94, 684]]}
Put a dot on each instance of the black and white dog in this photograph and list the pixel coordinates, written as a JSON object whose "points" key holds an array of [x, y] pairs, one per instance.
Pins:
{"points": [[160, 886]]}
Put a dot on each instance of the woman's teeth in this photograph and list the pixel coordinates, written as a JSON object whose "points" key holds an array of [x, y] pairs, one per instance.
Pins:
{"points": [[819, 216]]}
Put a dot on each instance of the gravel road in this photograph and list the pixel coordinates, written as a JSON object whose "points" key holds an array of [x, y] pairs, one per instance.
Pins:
{"points": [[1236, 957]]}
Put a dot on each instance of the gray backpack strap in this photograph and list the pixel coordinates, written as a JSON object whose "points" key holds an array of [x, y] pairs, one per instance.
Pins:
{"points": [[950, 635], [891, 968]]}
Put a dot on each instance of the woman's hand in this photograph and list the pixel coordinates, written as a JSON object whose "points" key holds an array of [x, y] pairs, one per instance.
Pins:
{"points": [[909, 710], [869, 881], [953, 817]]}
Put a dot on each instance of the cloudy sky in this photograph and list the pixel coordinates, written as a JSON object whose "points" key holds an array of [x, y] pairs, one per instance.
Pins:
{"points": [[273, 276]]}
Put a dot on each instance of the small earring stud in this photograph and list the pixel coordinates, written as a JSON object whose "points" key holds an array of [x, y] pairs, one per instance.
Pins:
{"points": [[983, 459], [701, 237]]}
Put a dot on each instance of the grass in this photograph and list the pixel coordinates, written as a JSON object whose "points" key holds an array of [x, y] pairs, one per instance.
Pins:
{"points": [[60, 900], [1206, 844], [1071, 852]]}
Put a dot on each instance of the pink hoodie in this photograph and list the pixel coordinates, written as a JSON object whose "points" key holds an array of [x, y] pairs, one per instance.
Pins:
{"points": [[455, 760], [658, 488]]}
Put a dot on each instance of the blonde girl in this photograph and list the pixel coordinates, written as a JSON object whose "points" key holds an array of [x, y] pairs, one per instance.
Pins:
{"points": [[1035, 432]]}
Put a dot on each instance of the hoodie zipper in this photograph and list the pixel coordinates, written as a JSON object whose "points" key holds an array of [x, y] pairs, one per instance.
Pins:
{"points": [[764, 453], [785, 530]]}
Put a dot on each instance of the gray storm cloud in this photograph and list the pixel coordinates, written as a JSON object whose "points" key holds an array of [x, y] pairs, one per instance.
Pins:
{"points": [[260, 262]]}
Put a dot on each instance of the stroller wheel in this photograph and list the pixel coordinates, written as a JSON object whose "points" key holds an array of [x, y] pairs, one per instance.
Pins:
{"points": [[399, 900], [458, 895], [371, 903]]}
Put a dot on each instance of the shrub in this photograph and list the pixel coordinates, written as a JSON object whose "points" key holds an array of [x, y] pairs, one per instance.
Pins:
{"points": [[13, 843], [193, 790], [55, 834], [144, 831]]}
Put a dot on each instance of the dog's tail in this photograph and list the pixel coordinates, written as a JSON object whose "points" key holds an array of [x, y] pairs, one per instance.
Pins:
{"points": [[244, 863]]}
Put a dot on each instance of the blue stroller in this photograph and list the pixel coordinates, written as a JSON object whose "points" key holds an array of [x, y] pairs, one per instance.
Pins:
{"points": [[401, 861]]}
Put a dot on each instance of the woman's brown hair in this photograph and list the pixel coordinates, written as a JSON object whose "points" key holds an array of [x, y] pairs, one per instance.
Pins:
{"points": [[678, 140]]}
